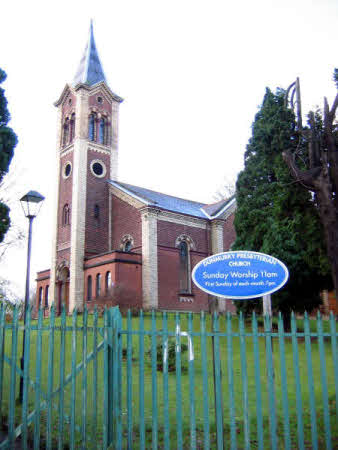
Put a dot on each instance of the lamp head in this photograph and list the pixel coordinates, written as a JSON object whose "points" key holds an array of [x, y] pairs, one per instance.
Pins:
{"points": [[31, 203]]}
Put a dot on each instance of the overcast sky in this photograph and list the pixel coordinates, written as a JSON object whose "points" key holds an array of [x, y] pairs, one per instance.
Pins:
{"points": [[192, 73]]}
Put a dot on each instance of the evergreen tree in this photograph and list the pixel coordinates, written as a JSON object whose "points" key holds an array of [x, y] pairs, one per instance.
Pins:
{"points": [[8, 141], [276, 216]]}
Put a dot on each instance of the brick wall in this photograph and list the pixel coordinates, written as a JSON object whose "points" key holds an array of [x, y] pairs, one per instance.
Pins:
{"points": [[125, 220], [126, 277], [169, 267], [68, 105], [65, 197], [43, 281], [168, 232], [168, 275], [96, 237], [63, 255], [101, 108]]}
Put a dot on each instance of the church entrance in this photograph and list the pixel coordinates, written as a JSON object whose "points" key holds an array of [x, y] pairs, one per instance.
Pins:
{"points": [[63, 290]]}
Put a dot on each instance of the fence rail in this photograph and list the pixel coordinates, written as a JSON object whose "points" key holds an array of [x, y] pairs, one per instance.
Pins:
{"points": [[168, 380]]}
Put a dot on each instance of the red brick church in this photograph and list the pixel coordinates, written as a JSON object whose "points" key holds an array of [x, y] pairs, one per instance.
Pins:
{"points": [[115, 243]]}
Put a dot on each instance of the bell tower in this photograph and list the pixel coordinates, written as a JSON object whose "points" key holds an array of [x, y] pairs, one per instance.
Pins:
{"points": [[86, 157]]}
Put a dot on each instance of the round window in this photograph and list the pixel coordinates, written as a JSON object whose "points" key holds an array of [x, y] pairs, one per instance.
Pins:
{"points": [[99, 100], [98, 168], [67, 169]]}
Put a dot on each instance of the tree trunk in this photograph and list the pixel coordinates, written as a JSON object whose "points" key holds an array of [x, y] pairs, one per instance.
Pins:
{"points": [[322, 176], [329, 219]]}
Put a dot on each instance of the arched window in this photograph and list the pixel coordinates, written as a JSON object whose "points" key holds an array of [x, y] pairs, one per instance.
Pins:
{"points": [[127, 243], [46, 296], [184, 244], [66, 215], [184, 267], [40, 296], [72, 128], [108, 282], [127, 246], [91, 131], [89, 288], [102, 131], [65, 133], [98, 285]]}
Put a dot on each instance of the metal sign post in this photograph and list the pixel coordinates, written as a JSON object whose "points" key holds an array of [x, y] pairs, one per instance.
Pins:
{"points": [[267, 310]]}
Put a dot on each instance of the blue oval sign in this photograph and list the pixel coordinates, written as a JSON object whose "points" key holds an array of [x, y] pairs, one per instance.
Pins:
{"points": [[240, 275]]}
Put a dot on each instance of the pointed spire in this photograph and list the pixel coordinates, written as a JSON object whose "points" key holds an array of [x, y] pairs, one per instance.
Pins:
{"points": [[90, 68]]}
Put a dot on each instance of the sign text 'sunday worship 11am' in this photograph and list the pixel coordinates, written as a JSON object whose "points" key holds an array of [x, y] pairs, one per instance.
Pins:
{"points": [[240, 275]]}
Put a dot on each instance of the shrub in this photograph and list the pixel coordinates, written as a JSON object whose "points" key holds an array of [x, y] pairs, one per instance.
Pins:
{"points": [[171, 355]]}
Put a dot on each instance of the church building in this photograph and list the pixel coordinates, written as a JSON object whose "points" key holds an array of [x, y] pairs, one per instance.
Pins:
{"points": [[115, 243]]}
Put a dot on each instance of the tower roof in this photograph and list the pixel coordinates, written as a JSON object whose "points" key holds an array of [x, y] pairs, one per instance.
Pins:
{"points": [[90, 70]]}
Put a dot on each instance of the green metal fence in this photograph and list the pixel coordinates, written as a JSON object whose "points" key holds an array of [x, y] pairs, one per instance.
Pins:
{"points": [[168, 380]]}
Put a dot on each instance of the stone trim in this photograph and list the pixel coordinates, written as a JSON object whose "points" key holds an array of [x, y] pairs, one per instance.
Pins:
{"points": [[187, 239], [126, 238], [99, 88], [105, 149], [180, 219], [47, 277], [64, 151], [191, 246], [149, 258], [63, 246], [114, 141], [88, 258], [125, 197], [65, 93], [79, 194], [104, 172], [110, 261], [217, 246], [230, 208], [64, 264], [187, 299], [217, 236], [64, 176]]}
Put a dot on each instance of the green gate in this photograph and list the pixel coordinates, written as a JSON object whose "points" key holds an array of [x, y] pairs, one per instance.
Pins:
{"points": [[168, 380]]}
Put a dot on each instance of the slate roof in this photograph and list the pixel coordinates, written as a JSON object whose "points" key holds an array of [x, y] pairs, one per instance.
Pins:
{"points": [[90, 69], [170, 203], [216, 208]]}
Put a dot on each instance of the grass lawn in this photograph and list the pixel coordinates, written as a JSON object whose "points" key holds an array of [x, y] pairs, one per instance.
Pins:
{"points": [[203, 393]]}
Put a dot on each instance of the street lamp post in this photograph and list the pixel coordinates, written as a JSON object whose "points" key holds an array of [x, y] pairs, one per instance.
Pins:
{"points": [[31, 204]]}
